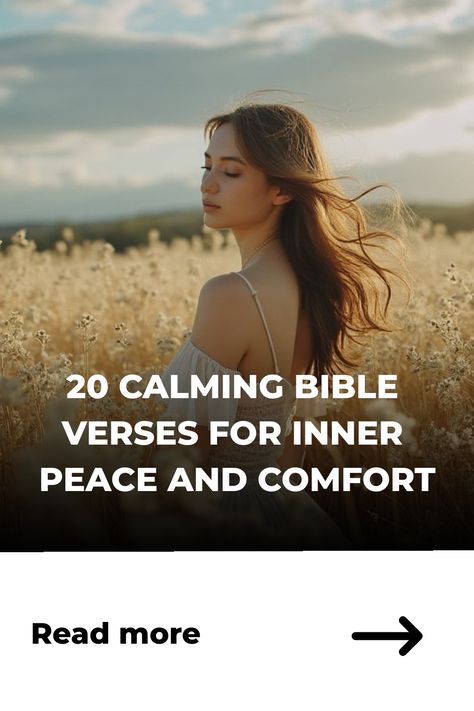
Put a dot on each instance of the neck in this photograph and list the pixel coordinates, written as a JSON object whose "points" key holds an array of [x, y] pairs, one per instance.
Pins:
{"points": [[251, 242], [250, 235], [260, 247]]}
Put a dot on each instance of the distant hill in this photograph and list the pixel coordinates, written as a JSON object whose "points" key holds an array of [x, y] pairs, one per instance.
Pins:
{"points": [[121, 233], [457, 218], [133, 231]]}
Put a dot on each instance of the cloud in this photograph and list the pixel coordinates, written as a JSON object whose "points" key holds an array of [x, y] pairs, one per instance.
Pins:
{"points": [[135, 157], [88, 202], [98, 111], [292, 23], [459, 45], [5, 93], [444, 177], [423, 178], [42, 7], [101, 84], [110, 17], [416, 7], [10, 75], [191, 8], [15, 73], [426, 133], [106, 17]]}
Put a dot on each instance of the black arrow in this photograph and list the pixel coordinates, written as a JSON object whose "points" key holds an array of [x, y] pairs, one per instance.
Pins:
{"points": [[412, 635]]}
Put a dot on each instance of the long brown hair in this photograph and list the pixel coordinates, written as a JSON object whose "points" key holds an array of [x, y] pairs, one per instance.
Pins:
{"points": [[323, 232]]}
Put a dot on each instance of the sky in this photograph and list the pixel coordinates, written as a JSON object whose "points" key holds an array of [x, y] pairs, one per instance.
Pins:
{"points": [[103, 102]]}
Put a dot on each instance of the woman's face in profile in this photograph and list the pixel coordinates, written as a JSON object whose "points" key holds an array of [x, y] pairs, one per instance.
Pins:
{"points": [[241, 191]]}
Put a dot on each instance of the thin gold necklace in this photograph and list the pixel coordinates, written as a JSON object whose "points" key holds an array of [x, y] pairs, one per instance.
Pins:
{"points": [[260, 246]]}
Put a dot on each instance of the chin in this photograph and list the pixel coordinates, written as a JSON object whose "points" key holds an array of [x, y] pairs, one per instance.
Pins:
{"points": [[211, 220]]}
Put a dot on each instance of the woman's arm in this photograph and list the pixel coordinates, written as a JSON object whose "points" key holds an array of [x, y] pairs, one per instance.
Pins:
{"points": [[219, 324], [218, 330]]}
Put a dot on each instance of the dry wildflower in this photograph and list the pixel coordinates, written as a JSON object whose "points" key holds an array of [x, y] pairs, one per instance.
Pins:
{"points": [[195, 243], [179, 245], [194, 268], [160, 320], [89, 336], [190, 303], [68, 234], [12, 337], [153, 236], [106, 251], [167, 345], [15, 320], [86, 321], [42, 336], [212, 240], [123, 335], [19, 238], [175, 322], [64, 361]]}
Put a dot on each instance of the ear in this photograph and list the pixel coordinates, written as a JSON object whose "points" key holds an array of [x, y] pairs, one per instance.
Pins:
{"points": [[280, 197]]}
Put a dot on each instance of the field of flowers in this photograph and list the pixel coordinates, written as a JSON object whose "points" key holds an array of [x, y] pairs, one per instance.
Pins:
{"points": [[82, 308]]}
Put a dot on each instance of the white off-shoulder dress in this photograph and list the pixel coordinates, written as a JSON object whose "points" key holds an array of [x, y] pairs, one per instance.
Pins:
{"points": [[283, 515]]}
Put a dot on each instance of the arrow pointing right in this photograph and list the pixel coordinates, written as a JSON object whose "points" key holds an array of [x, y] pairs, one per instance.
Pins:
{"points": [[412, 635]]}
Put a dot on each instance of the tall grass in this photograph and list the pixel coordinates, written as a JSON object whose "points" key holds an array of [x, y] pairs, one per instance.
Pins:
{"points": [[86, 309]]}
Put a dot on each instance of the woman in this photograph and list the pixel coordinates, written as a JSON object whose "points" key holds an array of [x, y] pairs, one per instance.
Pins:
{"points": [[305, 285]]}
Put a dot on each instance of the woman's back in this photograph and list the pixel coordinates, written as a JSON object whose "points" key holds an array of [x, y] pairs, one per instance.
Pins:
{"points": [[292, 516], [278, 294], [266, 325]]}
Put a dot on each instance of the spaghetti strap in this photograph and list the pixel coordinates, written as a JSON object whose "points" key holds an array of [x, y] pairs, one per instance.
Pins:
{"points": [[257, 301]]}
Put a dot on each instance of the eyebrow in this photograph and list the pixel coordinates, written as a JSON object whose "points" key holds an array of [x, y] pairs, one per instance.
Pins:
{"points": [[238, 160]]}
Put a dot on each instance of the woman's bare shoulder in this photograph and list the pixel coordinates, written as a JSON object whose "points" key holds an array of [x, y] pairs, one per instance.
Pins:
{"points": [[221, 314], [222, 285]]}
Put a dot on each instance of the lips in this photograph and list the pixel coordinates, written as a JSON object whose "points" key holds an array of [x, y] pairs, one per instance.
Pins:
{"points": [[209, 204]]}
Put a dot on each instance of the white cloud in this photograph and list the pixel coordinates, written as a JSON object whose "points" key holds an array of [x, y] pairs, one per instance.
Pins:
{"points": [[423, 7], [439, 178], [99, 84], [427, 18], [42, 7], [141, 157], [426, 133], [294, 24], [123, 157], [290, 23], [191, 8], [397, 99], [9, 76], [111, 17], [5, 93], [16, 73], [107, 17]]}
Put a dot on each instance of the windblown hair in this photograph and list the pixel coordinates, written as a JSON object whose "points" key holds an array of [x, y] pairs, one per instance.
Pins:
{"points": [[324, 232]]}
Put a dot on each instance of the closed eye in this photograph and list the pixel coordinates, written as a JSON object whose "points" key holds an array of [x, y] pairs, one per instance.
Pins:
{"points": [[231, 175]]}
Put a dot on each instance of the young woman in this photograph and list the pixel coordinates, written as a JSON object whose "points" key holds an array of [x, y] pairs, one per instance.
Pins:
{"points": [[306, 283]]}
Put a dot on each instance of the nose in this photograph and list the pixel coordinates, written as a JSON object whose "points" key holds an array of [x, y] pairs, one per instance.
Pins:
{"points": [[208, 183]]}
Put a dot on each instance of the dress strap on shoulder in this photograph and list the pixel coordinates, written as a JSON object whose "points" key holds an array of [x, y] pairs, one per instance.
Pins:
{"points": [[259, 306]]}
